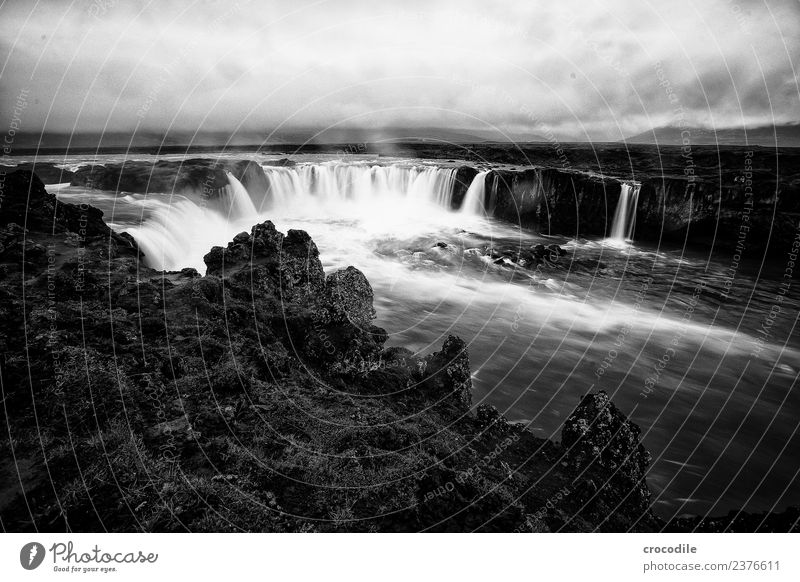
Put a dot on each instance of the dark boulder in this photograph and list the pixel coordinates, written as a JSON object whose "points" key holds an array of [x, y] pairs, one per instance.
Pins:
{"points": [[598, 435], [302, 277], [288, 267], [348, 298], [341, 335]]}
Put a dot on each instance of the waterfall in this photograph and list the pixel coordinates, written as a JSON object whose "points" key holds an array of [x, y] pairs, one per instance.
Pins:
{"points": [[335, 183], [625, 214], [475, 198], [177, 230], [237, 199]]}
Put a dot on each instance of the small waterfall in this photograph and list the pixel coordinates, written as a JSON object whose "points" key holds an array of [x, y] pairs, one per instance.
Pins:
{"points": [[237, 199], [475, 198], [625, 215]]}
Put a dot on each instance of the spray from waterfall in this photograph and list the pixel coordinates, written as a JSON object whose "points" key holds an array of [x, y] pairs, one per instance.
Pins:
{"points": [[475, 198], [625, 215]]}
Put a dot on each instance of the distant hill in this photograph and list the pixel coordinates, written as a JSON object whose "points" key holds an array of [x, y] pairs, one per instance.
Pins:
{"points": [[386, 134], [393, 134], [787, 136], [333, 135]]}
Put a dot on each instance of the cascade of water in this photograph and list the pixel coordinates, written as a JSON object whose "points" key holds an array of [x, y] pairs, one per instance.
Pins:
{"points": [[475, 198], [237, 201], [625, 215], [336, 183], [178, 232]]}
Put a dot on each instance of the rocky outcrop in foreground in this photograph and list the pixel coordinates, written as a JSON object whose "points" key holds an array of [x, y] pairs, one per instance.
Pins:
{"points": [[259, 397]]}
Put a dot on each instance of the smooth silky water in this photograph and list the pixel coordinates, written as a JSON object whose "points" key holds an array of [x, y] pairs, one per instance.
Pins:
{"points": [[623, 317]]}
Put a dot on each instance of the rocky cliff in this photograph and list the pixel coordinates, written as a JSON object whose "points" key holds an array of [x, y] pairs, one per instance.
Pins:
{"points": [[700, 212], [693, 195]]}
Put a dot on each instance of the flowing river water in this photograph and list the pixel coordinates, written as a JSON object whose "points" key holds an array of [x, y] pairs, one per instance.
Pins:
{"points": [[709, 378]]}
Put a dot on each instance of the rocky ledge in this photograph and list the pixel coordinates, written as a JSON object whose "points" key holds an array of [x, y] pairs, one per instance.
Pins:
{"points": [[260, 397]]}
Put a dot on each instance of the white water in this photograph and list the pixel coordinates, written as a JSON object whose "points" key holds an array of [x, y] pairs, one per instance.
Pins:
{"points": [[178, 230], [625, 214], [475, 198], [336, 183], [238, 199]]}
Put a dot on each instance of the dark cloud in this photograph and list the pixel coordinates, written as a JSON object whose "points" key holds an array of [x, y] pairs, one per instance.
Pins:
{"points": [[580, 69]]}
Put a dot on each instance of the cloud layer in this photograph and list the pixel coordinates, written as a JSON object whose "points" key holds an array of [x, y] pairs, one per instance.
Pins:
{"points": [[584, 70]]}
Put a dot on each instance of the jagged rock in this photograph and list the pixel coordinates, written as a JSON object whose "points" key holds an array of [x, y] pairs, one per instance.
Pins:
{"points": [[263, 243], [348, 298], [489, 418], [289, 267], [302, 277], [25, 201], [446, 374], [597, 434], [341, 334]]}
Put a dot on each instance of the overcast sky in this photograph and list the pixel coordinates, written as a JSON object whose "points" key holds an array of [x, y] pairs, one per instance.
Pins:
{"points": [[583, 70]]}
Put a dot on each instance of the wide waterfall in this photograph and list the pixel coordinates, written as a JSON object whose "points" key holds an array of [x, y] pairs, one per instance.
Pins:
{"points": [[333, 183], [625, 215], [177, 229]]}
